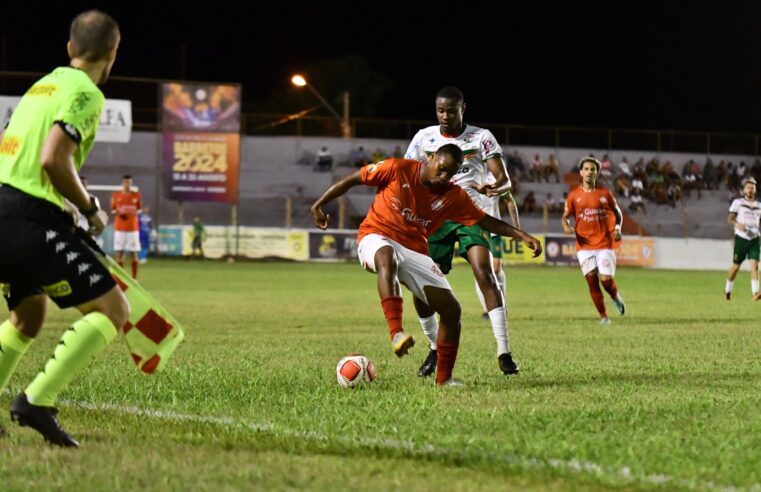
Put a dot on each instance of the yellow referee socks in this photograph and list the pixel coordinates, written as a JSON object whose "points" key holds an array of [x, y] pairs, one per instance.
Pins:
{"points": [[13, 346], [81, 342]]}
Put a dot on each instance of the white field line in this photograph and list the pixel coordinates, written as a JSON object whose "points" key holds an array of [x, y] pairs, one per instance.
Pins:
{"points": [[419, 449]]}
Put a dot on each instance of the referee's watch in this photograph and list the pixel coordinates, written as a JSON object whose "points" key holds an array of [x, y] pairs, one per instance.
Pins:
{"points": [[92, 210]]}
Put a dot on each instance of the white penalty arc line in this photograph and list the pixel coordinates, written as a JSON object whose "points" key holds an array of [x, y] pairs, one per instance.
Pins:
{"points": [[422, 450]]}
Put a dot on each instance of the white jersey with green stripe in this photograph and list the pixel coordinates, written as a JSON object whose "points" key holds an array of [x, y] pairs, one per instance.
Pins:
{"points": [[748, 214], [478, 145]]}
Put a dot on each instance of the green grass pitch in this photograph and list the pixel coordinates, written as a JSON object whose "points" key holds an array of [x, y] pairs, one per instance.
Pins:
{"points": [[666, 398]]}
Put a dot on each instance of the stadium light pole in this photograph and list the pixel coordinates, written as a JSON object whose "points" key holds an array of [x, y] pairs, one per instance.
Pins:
{"points": [[299, 81]]}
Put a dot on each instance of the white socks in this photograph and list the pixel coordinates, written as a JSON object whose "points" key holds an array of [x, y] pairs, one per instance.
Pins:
{"points": [[728, 287], [754, 286], [430, 327], [498, 318]]}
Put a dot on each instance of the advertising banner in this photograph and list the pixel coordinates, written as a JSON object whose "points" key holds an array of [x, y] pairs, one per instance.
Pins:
{"points": [[560, 250], [201, 107], [201, 166], [332, 245], [115, 120], [636, 252]]}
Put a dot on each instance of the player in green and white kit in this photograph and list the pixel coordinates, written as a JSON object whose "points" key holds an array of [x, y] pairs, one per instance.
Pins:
{"points": [[43, 147], [483, 156], [745, 216]]}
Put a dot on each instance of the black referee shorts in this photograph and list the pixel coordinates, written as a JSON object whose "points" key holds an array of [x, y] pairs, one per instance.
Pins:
{"points": [[41, 254]]}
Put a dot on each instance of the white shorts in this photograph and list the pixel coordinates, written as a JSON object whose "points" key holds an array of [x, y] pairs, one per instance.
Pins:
{"points": [[126, 241], [415, 270], [604, 260]]}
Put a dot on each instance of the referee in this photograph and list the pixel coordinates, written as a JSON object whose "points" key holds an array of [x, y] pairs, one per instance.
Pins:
{"points": [[50, 134]]}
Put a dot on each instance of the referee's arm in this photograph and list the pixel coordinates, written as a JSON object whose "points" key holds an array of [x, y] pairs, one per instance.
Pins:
{"points": [[56, 160]]}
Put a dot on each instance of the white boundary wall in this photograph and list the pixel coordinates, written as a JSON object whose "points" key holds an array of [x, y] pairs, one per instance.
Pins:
{"points": [[693, 254]]}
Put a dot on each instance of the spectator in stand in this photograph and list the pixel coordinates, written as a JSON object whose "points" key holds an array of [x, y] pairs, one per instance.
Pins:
{"points": [[624, 168], [552, 167], [639, 167], [636, 203], [691, 182], [324, 160], [536, 170], [550, 205], [621, 185], [721, 174], [378, 155], [709, 175], [398, 153], [529, 203], [755, 170], [606, 171], [674, 193], [733, 178], [358, 157], [638, 184], [514, 161]]}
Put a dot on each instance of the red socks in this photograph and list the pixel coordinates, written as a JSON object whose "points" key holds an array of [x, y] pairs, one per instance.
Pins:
{"points": [[447, 355], [596, 293], [610, 287], [134, 269], [392, 310]]}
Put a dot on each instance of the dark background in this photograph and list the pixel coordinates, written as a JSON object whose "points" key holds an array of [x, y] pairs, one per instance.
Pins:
{"points": [[660, 65]]}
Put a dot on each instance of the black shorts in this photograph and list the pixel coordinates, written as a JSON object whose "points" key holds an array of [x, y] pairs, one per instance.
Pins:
{"points": [[40, 253]]}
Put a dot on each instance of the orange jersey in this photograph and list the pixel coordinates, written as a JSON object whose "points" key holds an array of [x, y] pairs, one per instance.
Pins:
{"points": [[405, 210], [595, 219], [126, 205]]}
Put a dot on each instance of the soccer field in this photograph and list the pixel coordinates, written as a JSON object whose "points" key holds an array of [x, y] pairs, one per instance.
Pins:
{"points": [[667, 397]]}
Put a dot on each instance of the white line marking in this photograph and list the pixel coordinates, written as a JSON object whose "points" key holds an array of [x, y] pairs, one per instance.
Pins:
{"points": [[419, 449]]}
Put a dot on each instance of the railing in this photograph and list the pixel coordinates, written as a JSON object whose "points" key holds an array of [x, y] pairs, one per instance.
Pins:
{"points": [[143, 92]]}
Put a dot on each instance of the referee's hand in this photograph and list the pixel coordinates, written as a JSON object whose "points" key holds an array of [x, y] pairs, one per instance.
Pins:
{"points": [[97, 222]]}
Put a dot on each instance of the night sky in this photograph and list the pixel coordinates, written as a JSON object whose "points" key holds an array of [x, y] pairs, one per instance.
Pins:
{"points": [[660, 65]]}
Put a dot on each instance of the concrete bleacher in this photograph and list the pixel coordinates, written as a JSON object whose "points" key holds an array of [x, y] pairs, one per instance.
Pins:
{"points": [[278, 183]]}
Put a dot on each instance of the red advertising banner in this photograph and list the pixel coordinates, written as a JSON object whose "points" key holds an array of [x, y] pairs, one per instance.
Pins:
{"points": [[201, 166]]}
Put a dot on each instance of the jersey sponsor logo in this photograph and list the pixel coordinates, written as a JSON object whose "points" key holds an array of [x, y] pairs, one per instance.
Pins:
{"points": [[411, 216], [437, 271], [58, 289], [437, 205], [10, 145], [395, 203], [80, 102], [42, 90], [488, 145]]}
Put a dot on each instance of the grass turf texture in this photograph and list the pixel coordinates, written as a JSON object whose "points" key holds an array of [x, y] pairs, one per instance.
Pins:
{"points": [[666, 397]]}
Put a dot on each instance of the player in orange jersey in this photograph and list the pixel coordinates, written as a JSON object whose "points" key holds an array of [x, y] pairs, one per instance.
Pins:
{"points": [[126, 205], [597, 227], [413, 199]]}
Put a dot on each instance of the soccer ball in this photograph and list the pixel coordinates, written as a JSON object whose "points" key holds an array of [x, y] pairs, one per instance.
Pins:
{"points": [[353, 370]]}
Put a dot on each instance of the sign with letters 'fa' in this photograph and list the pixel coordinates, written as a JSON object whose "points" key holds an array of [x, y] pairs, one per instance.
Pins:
{"points": [[115, 120]]}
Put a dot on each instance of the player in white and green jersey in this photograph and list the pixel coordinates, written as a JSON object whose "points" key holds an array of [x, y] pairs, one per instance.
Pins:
{"points": [[483, 156], [45, 143], [745, 216]]}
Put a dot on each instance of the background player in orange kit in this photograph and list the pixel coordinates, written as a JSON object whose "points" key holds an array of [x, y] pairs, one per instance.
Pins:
{"points": [[126, 205], [598, 227], [413, 199]]}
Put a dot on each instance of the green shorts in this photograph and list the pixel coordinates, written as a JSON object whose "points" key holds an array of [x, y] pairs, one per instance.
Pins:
{"points": [[745, 248], [497, 246], [441, 243]]}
